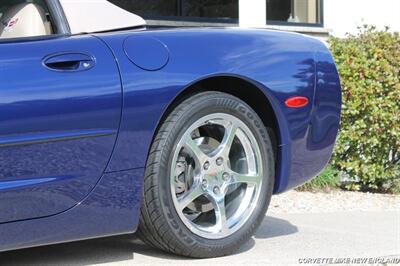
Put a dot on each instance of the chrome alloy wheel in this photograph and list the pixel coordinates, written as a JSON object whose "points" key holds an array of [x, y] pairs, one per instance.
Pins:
{"points": [[216, 176]]}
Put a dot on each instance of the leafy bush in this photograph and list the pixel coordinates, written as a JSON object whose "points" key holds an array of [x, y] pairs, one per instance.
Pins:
{"points": [[368, 147], [325, 181]]}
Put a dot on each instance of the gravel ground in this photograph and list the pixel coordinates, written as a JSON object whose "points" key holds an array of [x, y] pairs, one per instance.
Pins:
{"points": [[336, 201]]}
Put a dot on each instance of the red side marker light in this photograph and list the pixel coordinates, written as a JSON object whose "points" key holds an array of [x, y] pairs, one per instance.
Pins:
{"points": [[296, 102]]}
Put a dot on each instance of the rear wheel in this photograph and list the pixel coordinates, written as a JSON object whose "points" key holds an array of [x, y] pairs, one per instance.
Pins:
{"points": [[209, 178]]}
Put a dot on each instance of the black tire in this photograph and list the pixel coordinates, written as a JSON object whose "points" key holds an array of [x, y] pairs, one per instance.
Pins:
{"points": [[160, 225]]}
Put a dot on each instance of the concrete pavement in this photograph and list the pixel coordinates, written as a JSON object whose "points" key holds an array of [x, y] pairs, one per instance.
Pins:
{"points": [[281, 239]]}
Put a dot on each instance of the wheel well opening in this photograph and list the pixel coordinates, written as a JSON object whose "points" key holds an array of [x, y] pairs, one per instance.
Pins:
{"points": [[242, 89]]}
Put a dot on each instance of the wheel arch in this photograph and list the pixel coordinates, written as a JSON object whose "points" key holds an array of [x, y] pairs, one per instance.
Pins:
{"points": [[248, 91]]}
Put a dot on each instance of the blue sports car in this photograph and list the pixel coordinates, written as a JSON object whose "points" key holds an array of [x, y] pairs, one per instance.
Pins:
{"points": [[180, 135]]}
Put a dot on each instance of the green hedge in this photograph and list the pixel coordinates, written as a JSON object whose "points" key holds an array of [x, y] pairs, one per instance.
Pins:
{"points": [[326, 181], [368, 147]]}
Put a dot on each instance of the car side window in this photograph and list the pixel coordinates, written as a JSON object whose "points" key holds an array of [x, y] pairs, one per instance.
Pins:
{"points": [[27, 18]]}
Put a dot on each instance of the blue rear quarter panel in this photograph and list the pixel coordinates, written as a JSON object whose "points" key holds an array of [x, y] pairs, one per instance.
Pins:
{"points": [[280, 64]]}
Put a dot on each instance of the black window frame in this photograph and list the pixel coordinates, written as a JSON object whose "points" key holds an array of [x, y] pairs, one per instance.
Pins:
{"points": [[180, 18], [58, 17], [320, 9]]}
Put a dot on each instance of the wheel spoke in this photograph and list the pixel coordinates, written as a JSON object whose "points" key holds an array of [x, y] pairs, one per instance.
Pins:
{"points": [[190, 196], [245, 178], [227, 141], [197, 153], [218, 203]]}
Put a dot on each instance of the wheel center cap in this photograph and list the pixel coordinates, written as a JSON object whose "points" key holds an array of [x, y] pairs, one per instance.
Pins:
{"points": [[215, 177], [213, 173]]}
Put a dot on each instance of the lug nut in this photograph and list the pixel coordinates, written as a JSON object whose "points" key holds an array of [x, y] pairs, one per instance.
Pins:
{"points": [[216, 190], [220, 161], [226, 176], [204, 183], [206, 165]]}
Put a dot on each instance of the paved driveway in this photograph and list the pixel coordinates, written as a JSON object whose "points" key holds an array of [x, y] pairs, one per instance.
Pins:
{"points": [[282, 239]]}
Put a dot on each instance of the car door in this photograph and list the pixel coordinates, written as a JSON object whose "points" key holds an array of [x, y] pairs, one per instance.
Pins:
{"points": [[60, 107]]}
